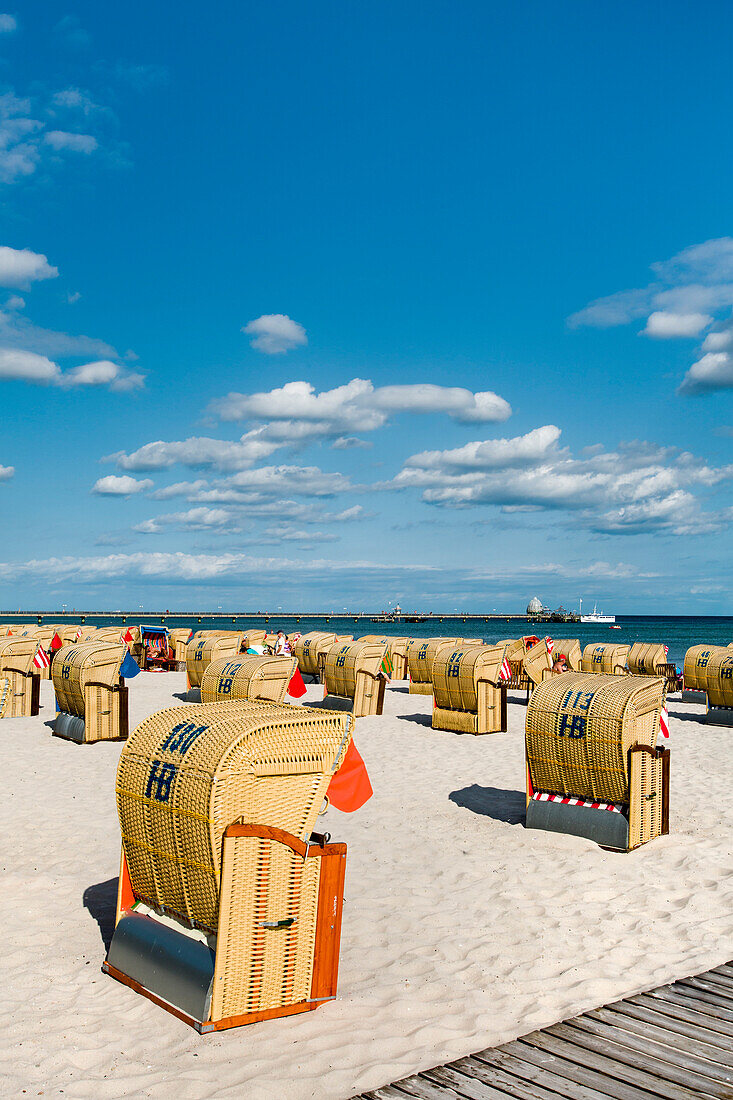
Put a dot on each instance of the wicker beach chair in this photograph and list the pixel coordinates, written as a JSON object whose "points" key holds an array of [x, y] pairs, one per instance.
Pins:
{"points": [[229, 907], [570, 648], [70, 634], [16, 665], [397, 649], [246, 677], [420, 654], [178, 639], [650, 659], [538, 663], [5, 691], [469, 696], [354, 671], [90, 693], [310, 652], [44, 635], [608, 658], [593, 769], [695, 671], [201, 651], [719, 686]]}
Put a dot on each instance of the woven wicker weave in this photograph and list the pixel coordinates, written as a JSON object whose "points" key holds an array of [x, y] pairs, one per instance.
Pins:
{"points": [[608, 658], [397, 649], [188, 772], [468, 695], [200, 652], [719, 679], [580, 728], [88, 687], [309, 648], [570, 648], [178, 640], [538, 663], [247, 677], [697, 661], [16, 665], [420, 656], [647, 659], [352, 671]]}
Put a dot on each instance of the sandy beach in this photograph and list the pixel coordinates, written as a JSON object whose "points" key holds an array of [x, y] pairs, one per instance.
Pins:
{"points": [[461, 929]]}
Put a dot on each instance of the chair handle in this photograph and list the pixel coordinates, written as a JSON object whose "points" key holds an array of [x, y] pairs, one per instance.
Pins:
{"points": [[288, 922]]}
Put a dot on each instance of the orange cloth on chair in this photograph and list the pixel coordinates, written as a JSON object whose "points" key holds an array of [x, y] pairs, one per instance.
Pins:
{"points": [[350, 788]]}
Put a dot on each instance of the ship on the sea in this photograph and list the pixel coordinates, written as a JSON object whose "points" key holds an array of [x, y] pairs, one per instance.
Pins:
{"points": [[596, 616]]}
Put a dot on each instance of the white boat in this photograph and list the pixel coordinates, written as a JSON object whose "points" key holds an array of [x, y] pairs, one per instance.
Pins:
{"points": [[596, 616]]}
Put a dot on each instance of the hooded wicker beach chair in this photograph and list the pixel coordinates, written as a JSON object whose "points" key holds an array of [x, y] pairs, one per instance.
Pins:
{"points": [[178, 639], [229, 907], [247, 677], [200, 652], [71, 633], [593, 769], [570, 649], [310, 652], [157, 651], [609, 658], [650, 659], [420, 653], [538, 662], [719, 682], [695, 671], [397, 649], [90, 692], [16, 665], [111, 634], [354, 671], [469, 696]]}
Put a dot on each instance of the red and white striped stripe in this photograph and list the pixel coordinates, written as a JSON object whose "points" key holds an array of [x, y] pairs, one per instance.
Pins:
{"points": [[41, 659], [568, 800], [506, 671], [550, 644], [664, 723], [666, 651]]}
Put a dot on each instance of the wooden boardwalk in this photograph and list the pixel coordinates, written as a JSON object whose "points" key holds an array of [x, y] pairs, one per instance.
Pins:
{"points": [[675, 1042]]}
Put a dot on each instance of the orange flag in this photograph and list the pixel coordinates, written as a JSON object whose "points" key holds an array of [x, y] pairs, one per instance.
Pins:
{"points": [[350, 788], [296, 687], [56, 642]]}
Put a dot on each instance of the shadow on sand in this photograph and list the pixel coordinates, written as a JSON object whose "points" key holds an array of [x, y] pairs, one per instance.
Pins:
{"points": [[421, 719], [501, 805], [101, 901]]}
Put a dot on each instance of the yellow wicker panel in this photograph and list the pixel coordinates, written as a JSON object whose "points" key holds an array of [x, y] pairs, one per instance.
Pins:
{"points": [[647, 659], [309, 647], [352, 671], [697, 661], [247, 677], [645, 806], [398, 652], [201, 651], [188, 772], [608, 658], [465, 686], [570, 648], [4, 695], [538, 662], [580, 727], [420, 656], [260, 968], [76, 666], [719, 679]]}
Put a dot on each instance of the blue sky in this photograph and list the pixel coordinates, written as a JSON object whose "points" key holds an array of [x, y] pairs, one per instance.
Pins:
{"points": [[331, 305]]}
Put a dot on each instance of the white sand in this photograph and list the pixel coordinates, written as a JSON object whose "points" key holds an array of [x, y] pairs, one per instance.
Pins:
{"points": [[461, 929]]}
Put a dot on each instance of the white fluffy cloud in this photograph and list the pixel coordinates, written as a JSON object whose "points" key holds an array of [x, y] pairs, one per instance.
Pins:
{"points": [[124, 486], [6, 472], [195, 519], [635, 489], [8, 23], [75, 143], [27, 366], [688, 293], [103, 372], [197, 451], [275, 333], [296, 411], [664, 325], [19, 267]]}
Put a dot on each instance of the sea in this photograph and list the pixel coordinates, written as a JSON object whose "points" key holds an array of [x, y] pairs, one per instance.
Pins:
{"points": [[678, 633]]}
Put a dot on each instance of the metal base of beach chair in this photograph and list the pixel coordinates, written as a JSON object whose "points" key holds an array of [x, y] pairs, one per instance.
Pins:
{"points": [[690, 696], [251, 963], [719, 716]]}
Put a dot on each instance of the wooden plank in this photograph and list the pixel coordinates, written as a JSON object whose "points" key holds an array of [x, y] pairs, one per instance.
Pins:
{"points": [[686, 1069], [681, 1008], [387, 1092], [468, 1084], [593, 1058], [711, 992], [679, 1023], [679, 1040], [716, 978], [518, 1081], [709, 987], [424, 1090], [701, 1002], [538, 1067], [727, 968]]}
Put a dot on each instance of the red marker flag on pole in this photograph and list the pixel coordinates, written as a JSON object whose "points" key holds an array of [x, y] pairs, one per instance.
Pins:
{"points": [[350, 788], [56, 642], [296, 687]]}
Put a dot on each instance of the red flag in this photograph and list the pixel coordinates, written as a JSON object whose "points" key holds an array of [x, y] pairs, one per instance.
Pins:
{"points": [[41, 659], [350, 788], [56, 642], [296, 687], [129, 636]]}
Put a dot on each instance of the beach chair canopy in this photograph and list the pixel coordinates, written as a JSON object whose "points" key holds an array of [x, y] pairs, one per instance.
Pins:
{"points": [[81, 665], [570, 649], [647, 659], [201, 651], [420, 654], [719, 678], [310, 648], [696, 664], [607, 657], [247, 677]]}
